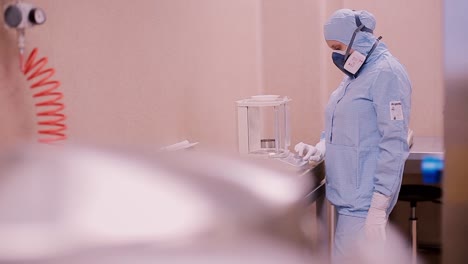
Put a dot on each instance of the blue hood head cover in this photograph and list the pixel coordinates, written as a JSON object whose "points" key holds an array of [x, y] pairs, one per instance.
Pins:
{"points": [[342, 24]]}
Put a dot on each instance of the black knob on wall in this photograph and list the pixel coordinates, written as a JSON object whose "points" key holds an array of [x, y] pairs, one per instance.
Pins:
{"points": [[13, 16], [37, 16]]}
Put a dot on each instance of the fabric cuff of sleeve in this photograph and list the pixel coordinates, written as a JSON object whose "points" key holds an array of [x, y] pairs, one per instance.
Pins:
{"points": [[380, 201]]}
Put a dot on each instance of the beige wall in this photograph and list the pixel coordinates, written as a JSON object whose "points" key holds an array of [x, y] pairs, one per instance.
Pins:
{"points": [[223, 39], [296, 61], [152, 72], [292, 63]]}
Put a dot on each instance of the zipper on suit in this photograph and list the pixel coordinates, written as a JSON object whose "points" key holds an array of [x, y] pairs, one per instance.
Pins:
{"points": [[334, 109]]}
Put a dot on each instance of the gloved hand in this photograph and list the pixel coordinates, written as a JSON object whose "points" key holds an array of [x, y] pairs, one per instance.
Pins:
{"points": [[376, 220], [314, 153]]}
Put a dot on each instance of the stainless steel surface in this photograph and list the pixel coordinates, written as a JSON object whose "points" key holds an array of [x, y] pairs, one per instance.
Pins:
{"points": [[325, 210], [317, 192], [317, 172], [455, 181]]}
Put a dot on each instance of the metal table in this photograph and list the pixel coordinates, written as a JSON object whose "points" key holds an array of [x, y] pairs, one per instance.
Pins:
{"points": [[422, 147], [323, 209]]}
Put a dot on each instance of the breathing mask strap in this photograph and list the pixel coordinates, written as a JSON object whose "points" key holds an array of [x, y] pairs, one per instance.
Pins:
{"points": [[360, 27], [373, 47], [352, 40]]}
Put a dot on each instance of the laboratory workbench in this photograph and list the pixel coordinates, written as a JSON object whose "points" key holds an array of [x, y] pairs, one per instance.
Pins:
{"points": [[422, 147]]}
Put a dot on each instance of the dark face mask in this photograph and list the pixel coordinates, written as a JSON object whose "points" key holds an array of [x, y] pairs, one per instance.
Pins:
{"points": [[351, 64]]}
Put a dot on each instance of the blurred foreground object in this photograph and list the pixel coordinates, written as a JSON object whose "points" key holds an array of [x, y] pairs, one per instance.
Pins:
{"points": [[81, 205], [455, 180]]}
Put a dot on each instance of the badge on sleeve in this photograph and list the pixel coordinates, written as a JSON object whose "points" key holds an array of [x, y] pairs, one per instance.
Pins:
{"points": [[396, 110]]}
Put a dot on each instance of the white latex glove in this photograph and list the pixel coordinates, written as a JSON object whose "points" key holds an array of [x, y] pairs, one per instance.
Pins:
{"points": [[376, 220], [314, 153]]}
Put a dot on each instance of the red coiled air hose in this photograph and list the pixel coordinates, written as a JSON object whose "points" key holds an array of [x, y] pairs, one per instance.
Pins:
{"points": [[51, 119]]}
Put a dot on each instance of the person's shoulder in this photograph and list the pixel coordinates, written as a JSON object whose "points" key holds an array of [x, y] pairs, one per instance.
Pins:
{"points": [[389, 65], [390, 70]]}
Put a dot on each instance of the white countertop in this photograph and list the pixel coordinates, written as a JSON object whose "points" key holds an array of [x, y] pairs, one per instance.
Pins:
{"points": [[423, 146]]}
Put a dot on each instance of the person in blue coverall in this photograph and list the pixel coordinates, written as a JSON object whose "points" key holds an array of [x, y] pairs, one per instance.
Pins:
{"points": [[366, 129]]}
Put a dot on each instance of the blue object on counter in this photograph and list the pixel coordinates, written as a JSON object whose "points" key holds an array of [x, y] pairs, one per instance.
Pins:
{"points": [[432, 168]]}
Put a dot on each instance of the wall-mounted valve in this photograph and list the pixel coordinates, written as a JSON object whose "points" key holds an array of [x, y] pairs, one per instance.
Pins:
{"points": [[51, 119], [22, 15]]}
